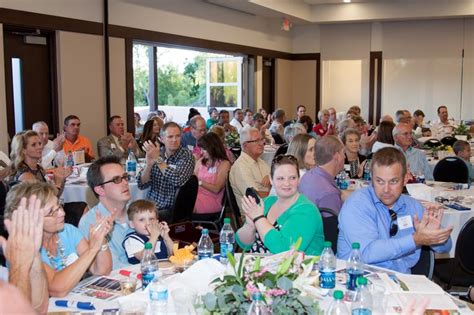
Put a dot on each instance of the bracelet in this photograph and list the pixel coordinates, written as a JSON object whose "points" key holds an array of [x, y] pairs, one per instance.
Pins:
{"points": [[104, 247], [258, 218]]}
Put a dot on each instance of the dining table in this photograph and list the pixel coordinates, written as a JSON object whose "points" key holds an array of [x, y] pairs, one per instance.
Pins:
{"points": [[186, 287]]}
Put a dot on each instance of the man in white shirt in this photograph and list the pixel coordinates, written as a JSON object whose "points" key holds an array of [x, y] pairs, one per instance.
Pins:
{"points": [[238, 120], [51, 149], [118, 141], [442, 127], [249, 170]]}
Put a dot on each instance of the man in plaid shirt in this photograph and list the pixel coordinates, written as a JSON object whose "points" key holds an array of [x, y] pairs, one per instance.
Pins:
{"points": [[166, 169]]}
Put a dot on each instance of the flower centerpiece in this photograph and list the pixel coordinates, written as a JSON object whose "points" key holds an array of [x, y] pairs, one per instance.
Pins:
{"points": [[232, 139], [462, 130], [284, 286]]}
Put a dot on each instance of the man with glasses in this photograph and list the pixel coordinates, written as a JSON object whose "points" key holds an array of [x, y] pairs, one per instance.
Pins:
{"points": [[249, 170], [190, 139], [318, 184], [107, 179], [417, 161], [167, 168], [390, 227]]}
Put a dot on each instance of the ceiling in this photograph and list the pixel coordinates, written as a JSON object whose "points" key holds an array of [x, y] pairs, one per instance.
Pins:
{"points": [[336, 11]]}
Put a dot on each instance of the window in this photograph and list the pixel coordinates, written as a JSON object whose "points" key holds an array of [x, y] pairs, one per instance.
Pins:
{"points": [[224, 82]]}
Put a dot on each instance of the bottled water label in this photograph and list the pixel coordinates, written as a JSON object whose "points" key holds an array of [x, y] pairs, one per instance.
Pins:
{"points": [[352, 276], [226, 247], [159, 295], [361, 311], [147, 278], [327, 279], [131, 166], [204, 254]]}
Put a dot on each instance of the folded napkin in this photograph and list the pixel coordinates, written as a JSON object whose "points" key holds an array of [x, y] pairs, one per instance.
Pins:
{"points": [[421, 191]]}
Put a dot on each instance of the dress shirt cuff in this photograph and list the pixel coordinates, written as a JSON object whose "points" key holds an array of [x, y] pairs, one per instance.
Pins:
{"points": [[406, 243]]}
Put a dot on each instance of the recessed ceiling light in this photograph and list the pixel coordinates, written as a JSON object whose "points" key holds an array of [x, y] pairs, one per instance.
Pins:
{"points": [[346, 1]]}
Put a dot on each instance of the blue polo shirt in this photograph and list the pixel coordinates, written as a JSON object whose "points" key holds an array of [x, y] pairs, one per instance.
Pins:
{"points": [[365, 219], [116, 237]]}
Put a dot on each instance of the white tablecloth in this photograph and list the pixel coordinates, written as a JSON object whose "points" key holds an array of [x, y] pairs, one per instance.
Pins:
{"points": [[269, 153], [199, 276], [81, 192]]}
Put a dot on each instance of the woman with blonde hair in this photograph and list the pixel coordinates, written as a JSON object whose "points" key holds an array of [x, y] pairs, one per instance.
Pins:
{"points": [[26, 152], [302, 147]]}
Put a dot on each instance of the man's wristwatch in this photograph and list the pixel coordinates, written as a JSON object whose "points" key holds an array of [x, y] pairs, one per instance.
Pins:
{"points": [[159, 160], [200, 183]]}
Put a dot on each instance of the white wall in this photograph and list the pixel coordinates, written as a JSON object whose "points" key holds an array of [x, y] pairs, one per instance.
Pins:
{"points": [[467, 108], [81, 82]]}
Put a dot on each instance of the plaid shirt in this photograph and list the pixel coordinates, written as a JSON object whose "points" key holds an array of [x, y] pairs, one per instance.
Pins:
{"points": [[163, 184]]}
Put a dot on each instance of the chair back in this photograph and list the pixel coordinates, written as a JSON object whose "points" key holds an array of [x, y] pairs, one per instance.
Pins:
{"points": [[432, 143], [425, 264], [448, 140], [213, 219], [330, 225], [184, 201], [232, 202], [277, 138], [464, 253], [282, 149], [186, 233], [451, 169]]}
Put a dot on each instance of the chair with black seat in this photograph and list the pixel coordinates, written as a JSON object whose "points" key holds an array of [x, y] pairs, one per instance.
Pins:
{"points": [[184, 201], [432, 143], [458, 271], [212, 219], [277, 138], [425, 264], [451, 169], [232, 203], [330, 225], [282, 149], [448, 140]]}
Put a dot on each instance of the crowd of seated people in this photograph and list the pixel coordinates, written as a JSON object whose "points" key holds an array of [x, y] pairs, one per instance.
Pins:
{"points": [[111, 234]]}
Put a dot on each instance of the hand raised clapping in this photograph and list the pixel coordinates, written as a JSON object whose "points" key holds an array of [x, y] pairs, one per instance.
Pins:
{"points": [[152, 151]]}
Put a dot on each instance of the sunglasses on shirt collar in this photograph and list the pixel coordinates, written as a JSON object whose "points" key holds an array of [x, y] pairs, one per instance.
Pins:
{"points": [[393, 223]]}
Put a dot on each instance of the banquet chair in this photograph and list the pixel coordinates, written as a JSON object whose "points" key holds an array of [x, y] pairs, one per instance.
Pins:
{"points": [[458, 271], [448, 140], [425, 264], [211, 219], [185, 233], [232, 202], [184, 201], [432, 143], [330, 225], [451, 169], [282, 149], [277, 138], [4, 160]]}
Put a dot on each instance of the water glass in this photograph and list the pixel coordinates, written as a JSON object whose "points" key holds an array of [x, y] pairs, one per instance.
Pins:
{"points": [[184, 300]]}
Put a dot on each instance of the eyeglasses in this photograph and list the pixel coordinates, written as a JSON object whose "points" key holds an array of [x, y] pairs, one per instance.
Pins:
{"points": [[53, 211], [393, 223], [279, 158], [116, 179], [256, 140]]}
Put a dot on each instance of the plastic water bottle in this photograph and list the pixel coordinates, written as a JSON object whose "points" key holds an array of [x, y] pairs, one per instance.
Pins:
{"points": [[367, 170], [70, 159], [149, 265], [131, 166], [227, 240], [343, 180], [337, 306], [354, 267], [158, 295], [362, 304], [205, 247], [327, 267], [258, 306]]}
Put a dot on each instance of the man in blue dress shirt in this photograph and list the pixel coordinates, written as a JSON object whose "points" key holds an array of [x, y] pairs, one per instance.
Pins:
{"points": [[390, 227]]}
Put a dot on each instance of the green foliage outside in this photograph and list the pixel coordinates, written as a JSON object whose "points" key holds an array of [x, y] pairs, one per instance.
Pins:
{"points": [[176, 87]]}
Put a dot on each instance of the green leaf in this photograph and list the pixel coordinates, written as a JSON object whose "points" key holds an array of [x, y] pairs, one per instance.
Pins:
{"points": [[256, 266], [231, 259], [241, 266], [284, 283], [210, 301], [298, 243], [285, 265]]}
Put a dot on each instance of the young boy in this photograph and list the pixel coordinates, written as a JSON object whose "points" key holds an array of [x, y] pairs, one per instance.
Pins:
{"points": [[462, 149], [143, 219]]}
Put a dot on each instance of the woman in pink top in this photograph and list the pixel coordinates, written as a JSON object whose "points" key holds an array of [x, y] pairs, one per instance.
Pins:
{"points": [[212, 171]]}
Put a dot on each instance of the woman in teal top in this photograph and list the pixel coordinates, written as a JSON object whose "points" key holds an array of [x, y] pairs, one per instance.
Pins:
{"points": [[278, 221]]}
